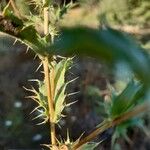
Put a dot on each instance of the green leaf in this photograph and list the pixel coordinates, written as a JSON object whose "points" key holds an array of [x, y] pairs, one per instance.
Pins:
{"points": [[59, 103], [40, 98], [60, 71], [107, 44], [28, 35], [121, 131], [126, 99], [60, 86], [8, 14]]}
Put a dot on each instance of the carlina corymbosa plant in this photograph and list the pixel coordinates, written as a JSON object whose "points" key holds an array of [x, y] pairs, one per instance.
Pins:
{"points": [[37, 26]]}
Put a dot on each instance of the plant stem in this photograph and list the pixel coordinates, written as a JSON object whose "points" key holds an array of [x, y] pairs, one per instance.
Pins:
{"points": [[46, 20], [50, 100], [111, 123], [15, 9], [49, 82]]}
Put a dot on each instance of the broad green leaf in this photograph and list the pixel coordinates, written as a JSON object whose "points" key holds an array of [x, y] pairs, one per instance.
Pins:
{"points": [[107, 44]]}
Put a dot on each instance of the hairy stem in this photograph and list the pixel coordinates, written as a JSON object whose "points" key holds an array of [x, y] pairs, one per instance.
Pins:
{"points": [[111, 123], [49, 82]]}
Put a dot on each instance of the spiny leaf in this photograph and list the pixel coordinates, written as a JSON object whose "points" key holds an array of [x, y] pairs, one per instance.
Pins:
{"points": [[60, 87], [59, 103], [41, 99], [15, 27], [60, 84], [30, 36], [60, 71]]}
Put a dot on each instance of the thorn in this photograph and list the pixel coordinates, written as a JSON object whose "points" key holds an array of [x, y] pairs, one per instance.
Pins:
{"points": [[42, 122], [33, 80], [27, 49], [28, 97], [61, 57], [15, 41], [34, 109], [72, 80], [77, 141], [70, 94], [35, 56], [69, 104], [34, 99], [39, 116], [47, 145], [38, 67], [31, 90], [42, 72], [68, 137]]}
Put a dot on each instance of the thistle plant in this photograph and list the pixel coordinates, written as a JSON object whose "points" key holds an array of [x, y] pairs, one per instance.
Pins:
{"points": [[50, 96], [38, 27]]}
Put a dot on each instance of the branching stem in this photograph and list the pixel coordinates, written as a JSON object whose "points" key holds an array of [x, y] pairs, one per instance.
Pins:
{"points": [[111, 123]]}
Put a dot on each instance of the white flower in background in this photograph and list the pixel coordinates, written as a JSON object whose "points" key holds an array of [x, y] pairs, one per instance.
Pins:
{"points": [[8, 123], [73, 118], [37, 137], [18, 104]]}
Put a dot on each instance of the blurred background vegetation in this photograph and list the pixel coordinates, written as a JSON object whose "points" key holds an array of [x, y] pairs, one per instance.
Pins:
{"points": [[95, 82]]}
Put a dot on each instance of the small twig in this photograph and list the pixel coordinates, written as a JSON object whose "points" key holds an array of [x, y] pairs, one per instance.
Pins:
{"points": [[111, 123]]}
